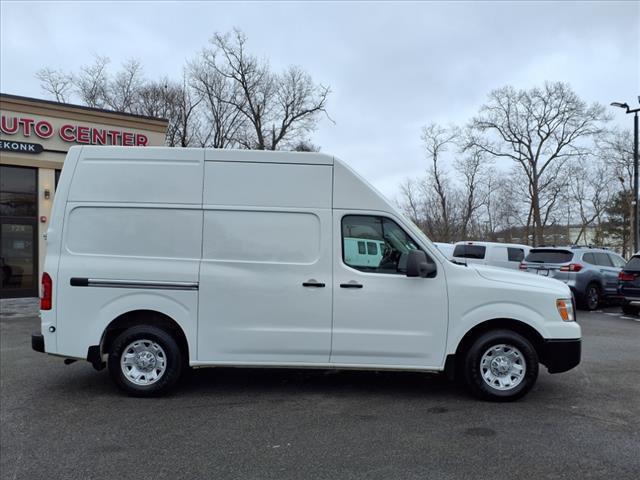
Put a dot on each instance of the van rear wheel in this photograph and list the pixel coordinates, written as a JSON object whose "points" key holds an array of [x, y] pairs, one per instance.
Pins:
{"points": [[145, 361], [501, 366]]}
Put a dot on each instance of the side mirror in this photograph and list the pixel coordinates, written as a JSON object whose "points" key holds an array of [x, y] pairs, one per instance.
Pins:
{"points": [[417, 265]]}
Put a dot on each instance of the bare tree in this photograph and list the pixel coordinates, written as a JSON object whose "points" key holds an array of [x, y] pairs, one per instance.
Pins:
{"points": [[184, 124], [298, 103], [590, 189], [224, 123], [174, 102], [476, 186], [228, 98], [278, 108], [436, 140], [615, 149], [410, 202], [540, 130], [91, 82], [121, 93], [304, 146], [56, 83]]}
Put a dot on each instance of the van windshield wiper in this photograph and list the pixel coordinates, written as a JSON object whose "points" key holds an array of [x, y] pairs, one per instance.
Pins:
{"points": [[458, 263]]}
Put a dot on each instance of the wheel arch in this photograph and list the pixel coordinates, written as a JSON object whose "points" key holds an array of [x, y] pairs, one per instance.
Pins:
{"points": [[144, 317], [522, 328]]}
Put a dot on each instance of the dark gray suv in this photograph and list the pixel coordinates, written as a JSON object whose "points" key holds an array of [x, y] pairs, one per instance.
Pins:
{"points": [[591, 273]]}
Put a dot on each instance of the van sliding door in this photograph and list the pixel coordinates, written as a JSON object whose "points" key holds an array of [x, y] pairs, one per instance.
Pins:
{"points": [[265, 276]]}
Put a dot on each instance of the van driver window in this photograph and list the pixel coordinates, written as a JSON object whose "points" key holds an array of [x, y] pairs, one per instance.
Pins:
{"points": [[388, 245]]}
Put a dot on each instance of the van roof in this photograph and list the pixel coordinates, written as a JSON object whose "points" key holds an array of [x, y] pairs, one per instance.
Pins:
{"points": [[349, 190], [266, 156], [222, 155]]}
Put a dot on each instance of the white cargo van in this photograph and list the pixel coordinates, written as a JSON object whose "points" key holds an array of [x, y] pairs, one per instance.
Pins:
{"points": [[503, 255], [164, 258]]}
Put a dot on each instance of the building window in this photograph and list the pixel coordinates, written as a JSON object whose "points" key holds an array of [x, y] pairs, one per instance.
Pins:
{"points": [[18, 191]]}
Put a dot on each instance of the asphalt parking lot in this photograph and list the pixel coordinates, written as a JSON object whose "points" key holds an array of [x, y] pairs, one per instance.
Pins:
{"points": [[69, 422]]}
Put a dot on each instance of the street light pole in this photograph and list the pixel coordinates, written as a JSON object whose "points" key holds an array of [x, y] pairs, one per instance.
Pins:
{"points": [[635, 221], [635, 180]]}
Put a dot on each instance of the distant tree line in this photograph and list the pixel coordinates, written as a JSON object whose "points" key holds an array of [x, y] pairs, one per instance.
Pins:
{"points": [[530, 164], [226, 98]]}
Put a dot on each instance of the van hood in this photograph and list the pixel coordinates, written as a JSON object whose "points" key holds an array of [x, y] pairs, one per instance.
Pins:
{"points": [[505, 275]]}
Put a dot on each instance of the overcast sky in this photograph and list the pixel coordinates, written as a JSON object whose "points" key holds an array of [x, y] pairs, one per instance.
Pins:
{"points": [[392, 67]]}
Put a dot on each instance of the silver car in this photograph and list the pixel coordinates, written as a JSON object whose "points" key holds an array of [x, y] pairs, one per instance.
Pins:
{"points": [[591, 273]]}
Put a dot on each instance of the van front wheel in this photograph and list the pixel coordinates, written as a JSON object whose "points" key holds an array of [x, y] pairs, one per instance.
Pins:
{"points": [[145, 361], [501, 365]]}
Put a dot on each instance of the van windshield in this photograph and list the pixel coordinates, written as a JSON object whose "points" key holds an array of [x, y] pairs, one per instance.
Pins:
{"points": [[469, 251], [540, 255]]}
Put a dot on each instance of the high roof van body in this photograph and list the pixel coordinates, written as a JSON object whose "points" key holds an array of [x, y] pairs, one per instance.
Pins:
{"points": [[162, 258]]}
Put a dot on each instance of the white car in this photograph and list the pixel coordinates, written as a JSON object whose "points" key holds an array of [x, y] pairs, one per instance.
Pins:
{"points": [[163, 258], [445, 248], [504, 255]]}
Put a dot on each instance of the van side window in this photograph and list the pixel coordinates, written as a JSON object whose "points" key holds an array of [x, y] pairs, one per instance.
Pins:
{"points": [[361, 248], [388, 245], [469, 251], [515, 254]]}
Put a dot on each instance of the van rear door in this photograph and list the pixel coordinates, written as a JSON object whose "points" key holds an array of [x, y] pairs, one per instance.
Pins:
{"points": [[132, 227]]}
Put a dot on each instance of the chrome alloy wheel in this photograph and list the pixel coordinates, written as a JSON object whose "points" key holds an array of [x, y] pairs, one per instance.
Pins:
{"points": [[503, 367], [143, 362]]}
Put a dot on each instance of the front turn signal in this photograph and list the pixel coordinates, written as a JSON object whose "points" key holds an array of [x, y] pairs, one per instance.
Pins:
{"points": [[565, 309]]}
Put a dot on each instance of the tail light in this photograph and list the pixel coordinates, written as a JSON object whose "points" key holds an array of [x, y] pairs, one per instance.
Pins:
{"points": [[626, 277], [46, 292], [572, 267], [523, 266]]}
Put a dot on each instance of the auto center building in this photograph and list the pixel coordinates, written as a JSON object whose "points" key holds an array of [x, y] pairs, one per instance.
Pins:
{"points": [[35, 136]]}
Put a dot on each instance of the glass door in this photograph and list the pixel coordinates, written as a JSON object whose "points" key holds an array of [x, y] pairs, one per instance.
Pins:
{"points": [[18, 258], [18, 231]]}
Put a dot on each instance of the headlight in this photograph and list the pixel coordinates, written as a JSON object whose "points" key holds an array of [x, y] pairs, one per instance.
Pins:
{"points": [[565, 309]]}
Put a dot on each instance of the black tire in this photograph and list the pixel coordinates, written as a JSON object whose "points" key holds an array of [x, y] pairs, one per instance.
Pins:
{"points": [[473, 372], [630, 309], [592, 298], [169, 352]]}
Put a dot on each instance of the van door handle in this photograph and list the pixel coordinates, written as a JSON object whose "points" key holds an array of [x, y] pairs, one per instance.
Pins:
{"points": [[351, 285], [313, 283]]}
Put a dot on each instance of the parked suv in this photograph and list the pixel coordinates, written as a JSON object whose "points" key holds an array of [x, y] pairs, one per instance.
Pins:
{"points": [[591, 273], [629, 285]]}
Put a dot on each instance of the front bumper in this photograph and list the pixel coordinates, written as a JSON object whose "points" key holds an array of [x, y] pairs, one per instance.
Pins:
{"points": [[561, 355], [635, 300], [37, 342]]}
